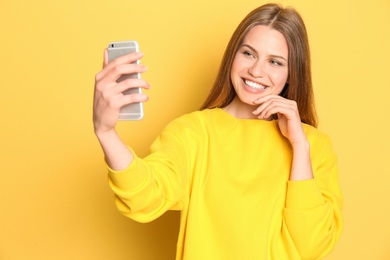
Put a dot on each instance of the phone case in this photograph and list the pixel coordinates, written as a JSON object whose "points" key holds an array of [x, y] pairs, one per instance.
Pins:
{"points": [[132, 111]]}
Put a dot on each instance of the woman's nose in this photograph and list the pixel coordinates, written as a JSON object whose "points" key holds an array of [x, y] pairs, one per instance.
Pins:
{"points": [[257, 69]]}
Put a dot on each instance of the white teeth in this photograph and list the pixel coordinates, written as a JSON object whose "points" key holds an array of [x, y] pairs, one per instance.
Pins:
{"points": [[254, 85]]}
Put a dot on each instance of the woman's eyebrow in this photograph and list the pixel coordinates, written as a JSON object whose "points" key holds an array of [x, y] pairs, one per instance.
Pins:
{"points": [[278, 57], [250, 47], [254, 50]]}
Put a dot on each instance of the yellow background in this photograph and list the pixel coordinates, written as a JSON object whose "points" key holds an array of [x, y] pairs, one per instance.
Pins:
{"points": [[54, 199]]}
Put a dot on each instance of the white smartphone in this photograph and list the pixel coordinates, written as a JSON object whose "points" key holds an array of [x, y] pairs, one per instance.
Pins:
{"points": [[134, 111]]}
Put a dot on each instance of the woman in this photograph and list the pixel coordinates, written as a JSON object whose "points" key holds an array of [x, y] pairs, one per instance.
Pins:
{"points": [[250, 173]]}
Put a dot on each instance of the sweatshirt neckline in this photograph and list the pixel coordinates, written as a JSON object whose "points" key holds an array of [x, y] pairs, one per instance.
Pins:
{"points": [[235, 119]]}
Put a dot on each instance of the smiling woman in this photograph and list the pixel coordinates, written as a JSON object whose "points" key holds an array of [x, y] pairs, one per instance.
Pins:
{"points": [[55, 203], [288, 30], [260, 68], [250, 173]]}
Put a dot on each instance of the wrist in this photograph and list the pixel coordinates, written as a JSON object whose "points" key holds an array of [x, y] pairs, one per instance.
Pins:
{"points": [[105, 135], [301, 146], [117, 155], [301, 166]]}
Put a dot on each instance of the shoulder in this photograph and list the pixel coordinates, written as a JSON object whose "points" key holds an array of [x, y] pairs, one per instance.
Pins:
{"points": [[190, 124], [202, 115], [194, 120]]}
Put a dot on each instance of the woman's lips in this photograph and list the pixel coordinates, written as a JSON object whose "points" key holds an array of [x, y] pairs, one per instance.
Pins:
{"points": [[253, 87]]}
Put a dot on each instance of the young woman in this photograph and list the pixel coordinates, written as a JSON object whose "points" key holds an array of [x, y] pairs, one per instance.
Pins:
{"points": [[250, 173]]}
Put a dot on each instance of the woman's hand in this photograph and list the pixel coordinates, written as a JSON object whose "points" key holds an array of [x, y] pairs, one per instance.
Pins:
{"points": [[288, 115], [291, 127], [108, 100], [108, 97]]}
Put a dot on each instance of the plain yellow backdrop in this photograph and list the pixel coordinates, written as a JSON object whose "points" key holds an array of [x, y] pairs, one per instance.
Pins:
{"points": [[54, 199]]}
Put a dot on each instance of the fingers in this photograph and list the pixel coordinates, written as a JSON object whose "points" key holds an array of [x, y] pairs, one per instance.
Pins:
{"points": [[113, 96], [129, 84], [116, 102], [122, 69], [106, 79], [275, 104], [126, 64]]}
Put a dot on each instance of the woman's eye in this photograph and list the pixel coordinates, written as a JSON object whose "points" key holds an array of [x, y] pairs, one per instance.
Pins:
{"points": [[276, 63], [247, 53]]}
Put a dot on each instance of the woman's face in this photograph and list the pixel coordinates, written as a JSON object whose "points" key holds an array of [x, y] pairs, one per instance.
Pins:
{"points": [[260, 66]]}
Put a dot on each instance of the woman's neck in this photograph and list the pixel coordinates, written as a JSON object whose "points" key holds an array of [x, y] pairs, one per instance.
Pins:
{"points": [[241, 110]]}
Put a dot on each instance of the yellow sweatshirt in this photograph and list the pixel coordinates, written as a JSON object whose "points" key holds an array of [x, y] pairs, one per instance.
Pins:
{"points": [[230, 179]]}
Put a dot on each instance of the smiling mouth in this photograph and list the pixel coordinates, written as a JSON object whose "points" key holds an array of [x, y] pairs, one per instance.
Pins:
{"points": [[254, 85]]}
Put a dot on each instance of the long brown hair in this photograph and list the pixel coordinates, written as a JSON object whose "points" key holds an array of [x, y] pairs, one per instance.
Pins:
{"points": [[299, 88]]}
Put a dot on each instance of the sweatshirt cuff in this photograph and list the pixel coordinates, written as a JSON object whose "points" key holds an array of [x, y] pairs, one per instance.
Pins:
{"points": [[303, 195], [134, 176]]}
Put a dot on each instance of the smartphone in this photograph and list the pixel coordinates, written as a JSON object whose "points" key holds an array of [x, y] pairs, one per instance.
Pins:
{"points": [[134, 111]]}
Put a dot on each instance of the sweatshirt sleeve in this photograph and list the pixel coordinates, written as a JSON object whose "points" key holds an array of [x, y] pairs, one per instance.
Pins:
{"points": [[151, 186], [312, 216]]}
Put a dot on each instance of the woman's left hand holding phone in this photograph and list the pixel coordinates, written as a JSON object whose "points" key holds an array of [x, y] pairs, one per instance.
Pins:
{"points": [[108, 100]]}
